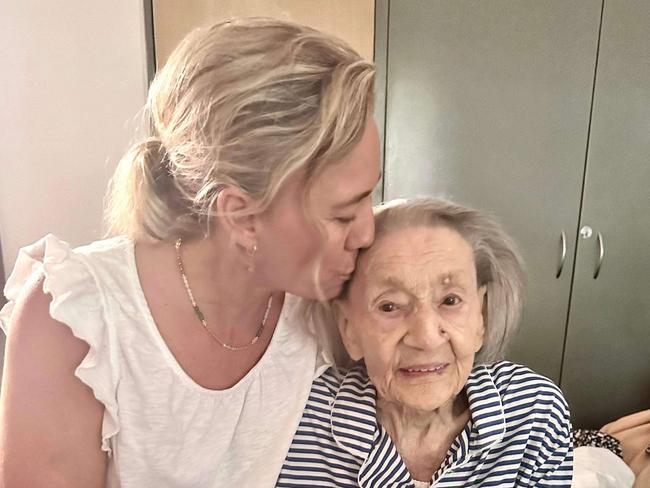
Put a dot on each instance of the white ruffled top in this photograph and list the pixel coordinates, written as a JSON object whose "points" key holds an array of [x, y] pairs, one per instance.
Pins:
{"points": [[160, 428]]}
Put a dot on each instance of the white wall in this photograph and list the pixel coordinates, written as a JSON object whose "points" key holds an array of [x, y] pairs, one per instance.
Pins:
{"points": [[73, 79], [351, 20]]}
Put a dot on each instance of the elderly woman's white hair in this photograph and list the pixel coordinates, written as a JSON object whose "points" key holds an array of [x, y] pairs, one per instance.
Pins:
{"points": [[499, 267]]}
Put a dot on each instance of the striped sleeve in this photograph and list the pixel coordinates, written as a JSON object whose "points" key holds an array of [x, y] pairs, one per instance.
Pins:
{"points": [[549, 423], [555, 466]]}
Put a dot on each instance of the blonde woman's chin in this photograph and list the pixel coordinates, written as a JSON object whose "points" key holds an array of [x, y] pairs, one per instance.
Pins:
{"points": [[332, 287]]}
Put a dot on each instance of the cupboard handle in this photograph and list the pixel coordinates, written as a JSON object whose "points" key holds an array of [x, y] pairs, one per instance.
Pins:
{"points": [[601, 254], [562, 256]]}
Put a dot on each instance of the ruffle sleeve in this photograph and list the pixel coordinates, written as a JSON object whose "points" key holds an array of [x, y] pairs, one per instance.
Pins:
{"points": [[78, 302]]}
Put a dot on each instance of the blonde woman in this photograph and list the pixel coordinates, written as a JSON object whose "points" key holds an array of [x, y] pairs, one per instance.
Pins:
{"points": [[168, 356]]}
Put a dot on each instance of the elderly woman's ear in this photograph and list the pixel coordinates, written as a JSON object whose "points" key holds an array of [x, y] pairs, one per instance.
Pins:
{"points": [[348, 333], [482, 298]]}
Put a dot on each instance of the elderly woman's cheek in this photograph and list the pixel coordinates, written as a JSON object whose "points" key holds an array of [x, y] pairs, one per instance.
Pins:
{"points": [[382, 379], [465, 330], [384, 355], [465, 344]]}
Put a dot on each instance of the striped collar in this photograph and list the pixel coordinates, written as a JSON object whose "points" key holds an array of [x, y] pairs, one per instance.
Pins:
{"points": [[488, 421], [356, 430], [487, 424]]}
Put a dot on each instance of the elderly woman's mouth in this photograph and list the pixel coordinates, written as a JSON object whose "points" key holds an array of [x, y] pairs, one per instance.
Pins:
{"points": [[423, 369]]}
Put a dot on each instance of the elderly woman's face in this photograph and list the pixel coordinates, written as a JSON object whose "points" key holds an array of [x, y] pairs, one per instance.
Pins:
{"points": [[414, 314]]}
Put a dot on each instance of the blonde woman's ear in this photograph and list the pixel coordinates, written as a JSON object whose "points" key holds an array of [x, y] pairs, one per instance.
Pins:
{"points": [[347, 330], [235, 210]]}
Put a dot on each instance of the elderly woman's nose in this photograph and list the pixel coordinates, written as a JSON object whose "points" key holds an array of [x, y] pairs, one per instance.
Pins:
{"points": [[427, 331]]}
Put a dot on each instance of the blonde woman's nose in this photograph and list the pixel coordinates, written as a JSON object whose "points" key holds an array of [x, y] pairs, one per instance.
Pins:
{"points": [[362, 232]]}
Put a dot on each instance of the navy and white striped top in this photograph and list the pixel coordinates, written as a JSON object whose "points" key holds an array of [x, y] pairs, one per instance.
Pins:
{"points": [[519, 435]]}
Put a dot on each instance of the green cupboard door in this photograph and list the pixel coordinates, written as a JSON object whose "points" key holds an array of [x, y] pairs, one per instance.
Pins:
{"points": [[488, 104], [606, 371]]}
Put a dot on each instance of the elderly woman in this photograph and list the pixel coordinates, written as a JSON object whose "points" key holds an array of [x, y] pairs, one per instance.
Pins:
{"points": [[428, 312]]}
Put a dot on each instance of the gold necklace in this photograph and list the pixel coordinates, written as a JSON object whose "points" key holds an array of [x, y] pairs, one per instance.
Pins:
{"points": [[200, 315]]}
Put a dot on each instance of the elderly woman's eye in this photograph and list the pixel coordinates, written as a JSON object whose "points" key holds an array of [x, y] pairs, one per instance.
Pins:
{"points": [[451, 300], [387, 307]]}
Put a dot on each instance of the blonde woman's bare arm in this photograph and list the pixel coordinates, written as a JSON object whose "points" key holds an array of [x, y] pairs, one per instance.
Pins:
{"points": [[50, 422]]}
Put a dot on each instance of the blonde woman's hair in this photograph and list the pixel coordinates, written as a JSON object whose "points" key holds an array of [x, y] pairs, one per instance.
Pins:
{"points": [[499, 267], [245, 103]]}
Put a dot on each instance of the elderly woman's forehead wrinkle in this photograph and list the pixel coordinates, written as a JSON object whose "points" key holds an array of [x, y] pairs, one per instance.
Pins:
{"points": [[407, 246], [378, 262], [408, 283], [430, 272], [408, 251]]}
